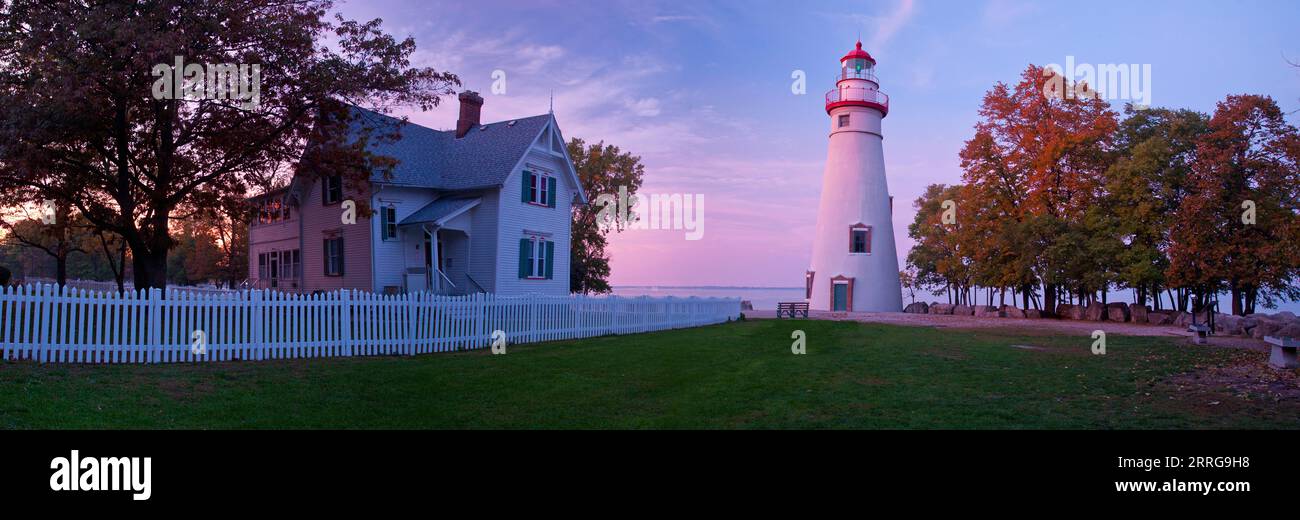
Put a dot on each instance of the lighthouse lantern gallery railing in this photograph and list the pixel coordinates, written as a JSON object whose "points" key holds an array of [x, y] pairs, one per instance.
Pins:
{"points": [[857, 96]]}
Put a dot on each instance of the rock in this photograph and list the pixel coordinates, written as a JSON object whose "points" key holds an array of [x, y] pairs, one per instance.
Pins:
{"points": [[1012, 312], [985, 311], [1117, 312], [941, 308], [1094, 312], [1138, 313], [1287, 315], [1247, 324], [917, 308], [1034, 314], [1183, 319], [963, 310], [1228, 324], [1160, 317], [1069, 311], [1267, 327], [1291, 330]]}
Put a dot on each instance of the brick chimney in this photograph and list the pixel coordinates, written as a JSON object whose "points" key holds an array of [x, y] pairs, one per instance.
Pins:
{"points": [[471, 104]]}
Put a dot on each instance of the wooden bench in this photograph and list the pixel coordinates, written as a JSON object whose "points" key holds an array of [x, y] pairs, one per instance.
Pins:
{"points": [[1283, 354], [791, 309]]}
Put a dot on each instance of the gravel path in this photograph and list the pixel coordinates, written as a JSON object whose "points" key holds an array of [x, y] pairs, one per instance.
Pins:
{"points": [[1020, 326]]}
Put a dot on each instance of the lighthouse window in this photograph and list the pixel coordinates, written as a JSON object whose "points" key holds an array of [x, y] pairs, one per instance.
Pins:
{"points": [[844, 120], [860, 239]]}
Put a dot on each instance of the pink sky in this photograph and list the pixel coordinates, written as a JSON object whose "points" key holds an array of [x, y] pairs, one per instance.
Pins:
{"points": [[702, 92]]}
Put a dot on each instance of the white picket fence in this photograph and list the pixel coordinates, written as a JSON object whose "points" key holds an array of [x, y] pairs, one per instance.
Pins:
{"points": [[50, 324]]}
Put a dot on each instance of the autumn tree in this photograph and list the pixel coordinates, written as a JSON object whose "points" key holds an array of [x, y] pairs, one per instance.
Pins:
{"points": [[939, 258], [1235, 228], [1034, 168], [603, 169], [87, 119]]}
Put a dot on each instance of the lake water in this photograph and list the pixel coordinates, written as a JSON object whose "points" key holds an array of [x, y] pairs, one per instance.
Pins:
{"points": [[766, 298], [761, 297]]}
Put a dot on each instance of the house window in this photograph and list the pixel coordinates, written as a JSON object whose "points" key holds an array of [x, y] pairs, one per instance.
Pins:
{"points": [[844, 120], [536, 258], [388, 222], [289, 264], [860, 239], [539, 189], [333, 249], [332, 189], [271, 211]]}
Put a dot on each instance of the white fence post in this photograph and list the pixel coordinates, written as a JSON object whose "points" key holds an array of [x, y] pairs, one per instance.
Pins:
{"points": [[412, 299], [255, 324], [155, 297], [345, 322]]}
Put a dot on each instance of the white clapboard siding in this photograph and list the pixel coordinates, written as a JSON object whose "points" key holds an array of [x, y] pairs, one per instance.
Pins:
{"points": [[66, 325]]}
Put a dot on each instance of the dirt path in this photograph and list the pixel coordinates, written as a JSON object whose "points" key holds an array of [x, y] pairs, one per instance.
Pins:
{"points": [[1021, 326]]}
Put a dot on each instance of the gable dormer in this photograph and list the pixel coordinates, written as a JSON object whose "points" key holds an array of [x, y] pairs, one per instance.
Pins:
{"points": [[550, 141]]}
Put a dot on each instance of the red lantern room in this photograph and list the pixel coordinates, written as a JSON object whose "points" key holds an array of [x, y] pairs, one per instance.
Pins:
{"points": [[856, 84], [857, 64]]}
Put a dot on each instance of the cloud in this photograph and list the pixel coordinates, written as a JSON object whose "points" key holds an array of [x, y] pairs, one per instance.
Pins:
{"points": [[645, 107], [879, 28], [1000, 13], [539, 56], [673, 18], [886, 27]]}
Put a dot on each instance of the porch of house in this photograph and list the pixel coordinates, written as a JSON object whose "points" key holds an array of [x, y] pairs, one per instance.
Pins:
{"points": [[436, 240]]}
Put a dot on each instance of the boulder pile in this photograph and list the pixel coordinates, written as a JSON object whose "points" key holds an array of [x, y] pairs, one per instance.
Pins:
{"points": [[1283, 324]]}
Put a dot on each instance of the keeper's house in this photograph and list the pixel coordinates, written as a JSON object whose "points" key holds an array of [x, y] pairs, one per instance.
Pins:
{"points": [[483, 208]]}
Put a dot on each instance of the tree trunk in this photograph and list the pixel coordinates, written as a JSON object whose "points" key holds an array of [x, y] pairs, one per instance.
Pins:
{"points": [[1049, 298], [1236, 299], [61, 268], [150, 269]]}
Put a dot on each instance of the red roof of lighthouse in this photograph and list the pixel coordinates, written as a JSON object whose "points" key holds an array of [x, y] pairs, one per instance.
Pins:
{"points": [[858, 53]]}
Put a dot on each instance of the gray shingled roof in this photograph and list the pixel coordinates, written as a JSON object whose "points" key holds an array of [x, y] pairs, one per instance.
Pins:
{"points": [[429, 158], [436, 210]]}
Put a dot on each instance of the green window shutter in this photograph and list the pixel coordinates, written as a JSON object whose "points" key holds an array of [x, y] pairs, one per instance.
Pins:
{"points": [[325, 248], [528, 184], [525, 251], [550, 191], [550, 259], [341, 255]]}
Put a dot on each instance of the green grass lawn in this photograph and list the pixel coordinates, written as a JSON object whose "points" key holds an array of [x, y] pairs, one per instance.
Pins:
{"points": [[737, 375]]}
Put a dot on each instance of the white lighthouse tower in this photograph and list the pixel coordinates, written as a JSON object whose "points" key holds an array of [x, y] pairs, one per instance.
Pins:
{"points": [[854, 263]]}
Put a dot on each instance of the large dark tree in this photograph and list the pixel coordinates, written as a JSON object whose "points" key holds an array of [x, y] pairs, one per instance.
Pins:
{"points": [[603, 169], [81, 123]]}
